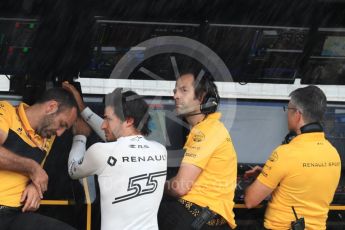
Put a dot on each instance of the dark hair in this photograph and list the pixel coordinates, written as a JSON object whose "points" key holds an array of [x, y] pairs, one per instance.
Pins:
{"points": [[130, 105], [204, 86], [64, 98], [312, 102]]}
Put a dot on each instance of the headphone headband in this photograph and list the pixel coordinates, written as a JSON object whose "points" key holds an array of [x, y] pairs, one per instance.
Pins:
{"points": [[210, 101]]}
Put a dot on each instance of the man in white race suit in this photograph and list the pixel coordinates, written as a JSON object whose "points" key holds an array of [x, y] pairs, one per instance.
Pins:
{"points": [[131, 169]]}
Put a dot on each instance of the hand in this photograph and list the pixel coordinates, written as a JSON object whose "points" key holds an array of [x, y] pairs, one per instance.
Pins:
{"points": [[80, 127], [254, 172], [30, 198], [67, 86], [39, 178]]}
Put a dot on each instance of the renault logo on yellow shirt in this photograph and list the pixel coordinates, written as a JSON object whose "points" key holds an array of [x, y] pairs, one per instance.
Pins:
{"points": [[274, 157], [20, 130], [198, 137]]}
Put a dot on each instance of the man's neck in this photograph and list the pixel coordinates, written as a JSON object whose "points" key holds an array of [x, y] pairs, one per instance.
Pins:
{"points": [[299, 125], [131, 132], [310, 127], [195, 119], [32, 116]]}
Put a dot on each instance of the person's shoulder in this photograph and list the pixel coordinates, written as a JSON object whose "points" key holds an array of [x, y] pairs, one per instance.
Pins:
{"points": [[155, 144], [212, 125], [7, 106], [285, 150], [284, 147], [331, 149], [280, 155], [101, 146], [214, 119]]}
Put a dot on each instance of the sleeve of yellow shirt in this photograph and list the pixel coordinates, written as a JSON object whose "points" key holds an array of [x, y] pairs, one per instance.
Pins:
{"points": [[274, 170], [201, 144], [5, 116]]}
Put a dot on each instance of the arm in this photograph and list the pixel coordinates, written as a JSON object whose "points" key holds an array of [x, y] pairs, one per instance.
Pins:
{"points": [[90, 117], [181, 184], [253, 172], [94, 121], [82, 163], [13, 162], [256, 193], [267, 181]]}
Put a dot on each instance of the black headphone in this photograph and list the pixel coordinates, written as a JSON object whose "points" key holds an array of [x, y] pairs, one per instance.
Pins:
{"points": [[211, 99], [308, 128]]}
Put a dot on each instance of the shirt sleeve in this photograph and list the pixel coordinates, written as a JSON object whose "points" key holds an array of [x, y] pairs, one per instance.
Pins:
{"points": [[82, 163], [200, 146], [94, 121], [274, 170], [5, 116]]}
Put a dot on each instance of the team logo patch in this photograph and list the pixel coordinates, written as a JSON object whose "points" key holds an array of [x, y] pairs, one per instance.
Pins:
{"points": [[138, 146], [137, 138], [80, 162], [111, 161], [47, 144], [190, 155], [20, 130], [195, 147], [263, 173], [198, 137], [268, 167], [89, 117], [274, 157]]}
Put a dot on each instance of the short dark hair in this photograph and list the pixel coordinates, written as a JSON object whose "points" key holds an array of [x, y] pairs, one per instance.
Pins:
{"points": [[312, 102], [203, 85], [129, 104], [64, 98]]}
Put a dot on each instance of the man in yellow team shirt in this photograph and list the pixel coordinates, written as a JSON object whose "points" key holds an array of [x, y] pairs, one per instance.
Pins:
{"points": [[304, 173], [27, 134], [207, 175]]}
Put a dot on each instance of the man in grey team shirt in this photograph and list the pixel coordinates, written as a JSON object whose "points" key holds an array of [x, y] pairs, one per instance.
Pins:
{"points": [[131, 169]]}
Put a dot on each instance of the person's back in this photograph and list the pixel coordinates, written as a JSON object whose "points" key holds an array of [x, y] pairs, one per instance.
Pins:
{"points": [[303, 174], [131, 182], [310, 173], [131, 170]]}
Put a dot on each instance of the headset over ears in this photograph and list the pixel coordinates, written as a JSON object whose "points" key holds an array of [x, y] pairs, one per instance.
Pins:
{"points": [[308, 128], [210, 101]]}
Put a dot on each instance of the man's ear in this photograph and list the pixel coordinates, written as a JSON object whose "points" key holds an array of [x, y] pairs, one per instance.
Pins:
{"points": [[129, 121], [52, 107], [202, 97], [300, 121]]}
